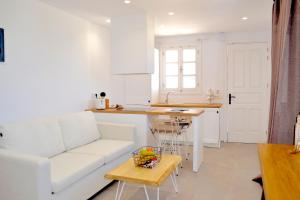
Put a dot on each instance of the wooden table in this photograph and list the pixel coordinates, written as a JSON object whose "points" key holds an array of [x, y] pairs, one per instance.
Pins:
{"points": [[280, 172], [127, 172]]}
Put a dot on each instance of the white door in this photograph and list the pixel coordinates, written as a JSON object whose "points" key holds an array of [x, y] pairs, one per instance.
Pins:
{"points": [[248, 77]]}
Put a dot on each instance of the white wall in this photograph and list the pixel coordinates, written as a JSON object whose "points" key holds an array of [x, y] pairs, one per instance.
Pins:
{"points": [[213, 59], [54, 61]]}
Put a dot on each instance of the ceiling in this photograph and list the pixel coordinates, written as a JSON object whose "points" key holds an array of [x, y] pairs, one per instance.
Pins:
{"points": [[191, 16]]}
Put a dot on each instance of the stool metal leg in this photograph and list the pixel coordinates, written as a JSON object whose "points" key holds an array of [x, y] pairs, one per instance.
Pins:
{"points": [[173, 178], [158, 193], [179, 149], [184, 143], [146, 193]]}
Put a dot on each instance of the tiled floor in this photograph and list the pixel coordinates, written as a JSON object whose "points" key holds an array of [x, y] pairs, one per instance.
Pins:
{"points": [[225, 175]]}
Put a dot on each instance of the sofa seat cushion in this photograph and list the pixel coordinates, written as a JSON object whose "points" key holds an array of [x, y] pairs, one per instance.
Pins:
{"points": [[68, 168], [78, 129], [40, 137], [110, 149]]}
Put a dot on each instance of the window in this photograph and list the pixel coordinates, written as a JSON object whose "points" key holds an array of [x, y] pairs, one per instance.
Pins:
{"points": [[180, 71]]}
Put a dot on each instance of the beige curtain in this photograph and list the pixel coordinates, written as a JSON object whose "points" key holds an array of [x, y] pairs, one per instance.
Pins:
{"points": [[285, 90]]}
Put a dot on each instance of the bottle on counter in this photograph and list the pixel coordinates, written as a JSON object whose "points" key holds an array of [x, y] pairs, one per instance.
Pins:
{"points": [[101, 102], [106, 103]]}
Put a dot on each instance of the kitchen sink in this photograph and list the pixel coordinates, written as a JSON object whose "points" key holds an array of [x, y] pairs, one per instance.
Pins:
{"points": [[178, 110]]}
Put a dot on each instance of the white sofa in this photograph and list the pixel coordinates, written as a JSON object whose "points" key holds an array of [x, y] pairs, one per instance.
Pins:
{"points": [[64, 158]]}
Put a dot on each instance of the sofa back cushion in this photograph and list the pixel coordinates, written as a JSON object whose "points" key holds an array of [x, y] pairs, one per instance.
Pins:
{"points": [[38, 137], [78, 129]]}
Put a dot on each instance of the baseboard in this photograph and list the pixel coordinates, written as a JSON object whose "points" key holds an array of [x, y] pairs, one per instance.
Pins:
{"points": [[250, 138]]}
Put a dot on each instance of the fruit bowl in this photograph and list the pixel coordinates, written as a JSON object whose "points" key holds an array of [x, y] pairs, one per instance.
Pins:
{"points": [[147, 157]]}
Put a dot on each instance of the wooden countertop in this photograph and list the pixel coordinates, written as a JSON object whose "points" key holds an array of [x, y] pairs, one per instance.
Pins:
{"points": [[280, 171], [189, 105], [152, 111]]}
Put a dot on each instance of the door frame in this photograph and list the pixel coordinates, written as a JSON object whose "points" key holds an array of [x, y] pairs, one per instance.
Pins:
{"points": [[268, 80]]}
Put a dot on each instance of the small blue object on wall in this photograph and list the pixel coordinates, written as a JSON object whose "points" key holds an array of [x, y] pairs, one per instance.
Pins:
{"points": [[2, 56]]}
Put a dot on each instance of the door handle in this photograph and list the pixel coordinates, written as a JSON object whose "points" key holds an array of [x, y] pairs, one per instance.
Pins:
{"points": [[230, 98]]}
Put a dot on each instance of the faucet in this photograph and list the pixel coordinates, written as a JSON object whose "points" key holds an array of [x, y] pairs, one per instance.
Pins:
{"points": [[167, 97]]}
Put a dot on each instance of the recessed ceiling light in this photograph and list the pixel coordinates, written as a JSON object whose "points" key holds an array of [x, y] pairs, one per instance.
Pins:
{"points": [[127, 1], [244, 18], [171, 13], [108, 21]]}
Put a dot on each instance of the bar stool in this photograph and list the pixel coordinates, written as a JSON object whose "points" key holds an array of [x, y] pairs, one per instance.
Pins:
{"points": [[170, 133], [184, 124], [165, 131]]}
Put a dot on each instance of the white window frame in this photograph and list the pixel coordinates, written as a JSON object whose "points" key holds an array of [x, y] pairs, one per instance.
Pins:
{"points": [[180, 89]]}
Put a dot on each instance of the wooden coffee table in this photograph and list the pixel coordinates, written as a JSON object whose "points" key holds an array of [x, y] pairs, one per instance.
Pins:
{"points": [[127, 172]]}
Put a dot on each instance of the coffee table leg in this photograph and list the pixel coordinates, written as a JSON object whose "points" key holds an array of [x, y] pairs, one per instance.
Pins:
{"points": [[118, 194], [146, 193], [173, 178], [121, 190], [158, 193]]}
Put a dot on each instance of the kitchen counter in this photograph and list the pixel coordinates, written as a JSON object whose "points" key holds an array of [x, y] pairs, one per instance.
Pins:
{"points": [[189, 105], [153, 111], [140, 118]]}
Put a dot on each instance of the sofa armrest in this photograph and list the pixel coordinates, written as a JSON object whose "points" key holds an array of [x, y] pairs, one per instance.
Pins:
{"points": [[24, 176], [116, 131]]}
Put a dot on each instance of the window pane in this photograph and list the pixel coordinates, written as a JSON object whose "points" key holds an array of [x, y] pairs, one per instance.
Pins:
{"points": [[189, 68], [171, 82], [189, 55], [189, 82], [172, 56], [171, 69]]}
